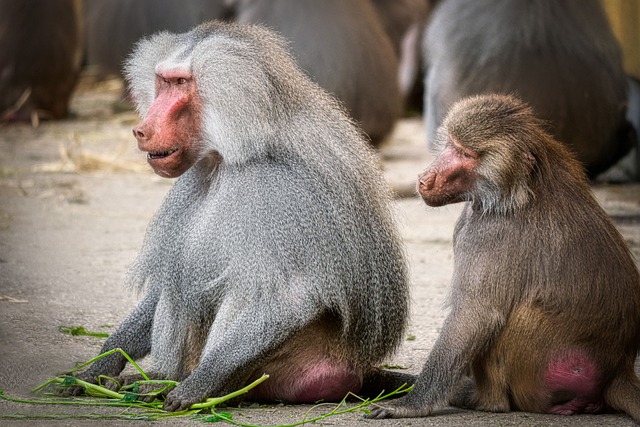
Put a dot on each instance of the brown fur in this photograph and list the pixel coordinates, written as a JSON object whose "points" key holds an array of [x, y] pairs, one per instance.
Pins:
{"points": [[545, 298]]}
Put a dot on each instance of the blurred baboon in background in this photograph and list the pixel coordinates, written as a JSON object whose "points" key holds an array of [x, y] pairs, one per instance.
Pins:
{"points": [[113, 26], [559, 56], [343, 46], [40, 57]]}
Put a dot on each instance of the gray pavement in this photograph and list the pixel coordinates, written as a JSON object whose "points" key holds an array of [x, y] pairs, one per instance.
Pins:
{"points": [[70, 226]]}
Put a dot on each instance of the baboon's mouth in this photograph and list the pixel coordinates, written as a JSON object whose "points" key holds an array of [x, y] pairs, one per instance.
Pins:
{"points": [[151, 155]]}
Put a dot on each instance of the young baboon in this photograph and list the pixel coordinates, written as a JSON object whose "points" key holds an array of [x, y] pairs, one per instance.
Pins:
{"points": [[275, 251], [545, 295]]}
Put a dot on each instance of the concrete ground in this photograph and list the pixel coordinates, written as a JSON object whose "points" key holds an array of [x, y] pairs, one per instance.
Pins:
{"points": [[75, 199]]}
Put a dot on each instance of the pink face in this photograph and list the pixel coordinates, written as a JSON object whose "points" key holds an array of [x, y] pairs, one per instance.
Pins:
{"points": [[450, 176], [171, 127]]}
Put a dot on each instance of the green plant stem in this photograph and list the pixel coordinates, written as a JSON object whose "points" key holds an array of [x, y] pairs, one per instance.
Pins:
{"points": [[213, 401], [153, 413], [153, 409], [364, 403]]}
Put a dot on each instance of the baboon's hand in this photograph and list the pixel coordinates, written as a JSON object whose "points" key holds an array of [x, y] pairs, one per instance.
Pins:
{"points": [[400, 408], [183, 396]]}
